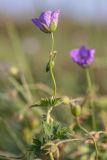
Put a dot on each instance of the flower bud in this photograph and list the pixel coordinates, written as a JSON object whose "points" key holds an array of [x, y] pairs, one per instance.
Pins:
{"points": [[34, 123], [76, 110], [47, 21], [50, 64], [66, 100], [27, 135], [14, 71]]}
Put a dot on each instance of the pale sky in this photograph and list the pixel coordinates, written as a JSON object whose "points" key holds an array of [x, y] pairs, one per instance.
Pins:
{"points": [[80, 9]]}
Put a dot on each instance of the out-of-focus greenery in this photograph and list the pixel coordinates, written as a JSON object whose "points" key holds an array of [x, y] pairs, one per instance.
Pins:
{"points": [[24, 53]]}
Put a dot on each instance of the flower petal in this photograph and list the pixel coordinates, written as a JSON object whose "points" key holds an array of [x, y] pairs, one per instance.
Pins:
{"points": [[91, 59], [74, 54], [39, 25], [83, 56], [37, 22], [45, 17], [92, 51], [55, 16]]}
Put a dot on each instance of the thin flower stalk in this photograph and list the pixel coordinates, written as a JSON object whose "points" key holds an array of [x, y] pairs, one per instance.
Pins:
{"points": [[53, 78], [90, 91]]}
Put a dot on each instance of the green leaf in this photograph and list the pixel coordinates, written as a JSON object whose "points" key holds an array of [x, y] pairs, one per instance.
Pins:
{"points": [[46, 102]]}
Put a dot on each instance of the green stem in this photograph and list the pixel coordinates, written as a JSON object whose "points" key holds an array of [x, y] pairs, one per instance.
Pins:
{"points": [[82, 128], [51, 156], [51, 68], [52, 49], [48, 115], [53, 78], [95, 144], [54, 82], [96, 148], [91, 101], [88, 80], [69, 140]]}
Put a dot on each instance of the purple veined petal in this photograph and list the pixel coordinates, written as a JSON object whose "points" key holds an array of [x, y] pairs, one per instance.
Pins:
{"points": [[74, 54], [45, 18], [91, 59], [55, 16], [39, 25], [92, 51], [37, 22], [86, 52]]}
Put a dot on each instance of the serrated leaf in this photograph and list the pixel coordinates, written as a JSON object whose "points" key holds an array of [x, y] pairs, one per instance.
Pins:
{"points": [[46, 102], [36, 142]]}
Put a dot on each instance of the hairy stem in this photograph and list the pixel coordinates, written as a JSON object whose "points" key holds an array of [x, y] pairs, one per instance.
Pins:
{"points": [[52, 49], [51, 68], [53, 78], [54, 82]]}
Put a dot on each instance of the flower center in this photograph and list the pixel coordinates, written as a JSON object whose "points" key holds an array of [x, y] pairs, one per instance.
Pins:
{"points": [[83, 53]]}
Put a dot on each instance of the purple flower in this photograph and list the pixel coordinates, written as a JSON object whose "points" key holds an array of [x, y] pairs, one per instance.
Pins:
{"points": [[47, 21], [83, 56]]}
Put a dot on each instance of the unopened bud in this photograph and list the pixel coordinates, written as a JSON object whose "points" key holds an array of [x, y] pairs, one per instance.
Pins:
{"points": [[14, 71], [76, 110], [50, 64], [66, 100]]}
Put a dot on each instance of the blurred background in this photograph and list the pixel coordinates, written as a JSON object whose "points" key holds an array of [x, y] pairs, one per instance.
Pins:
{"points": [[24, 53]]}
